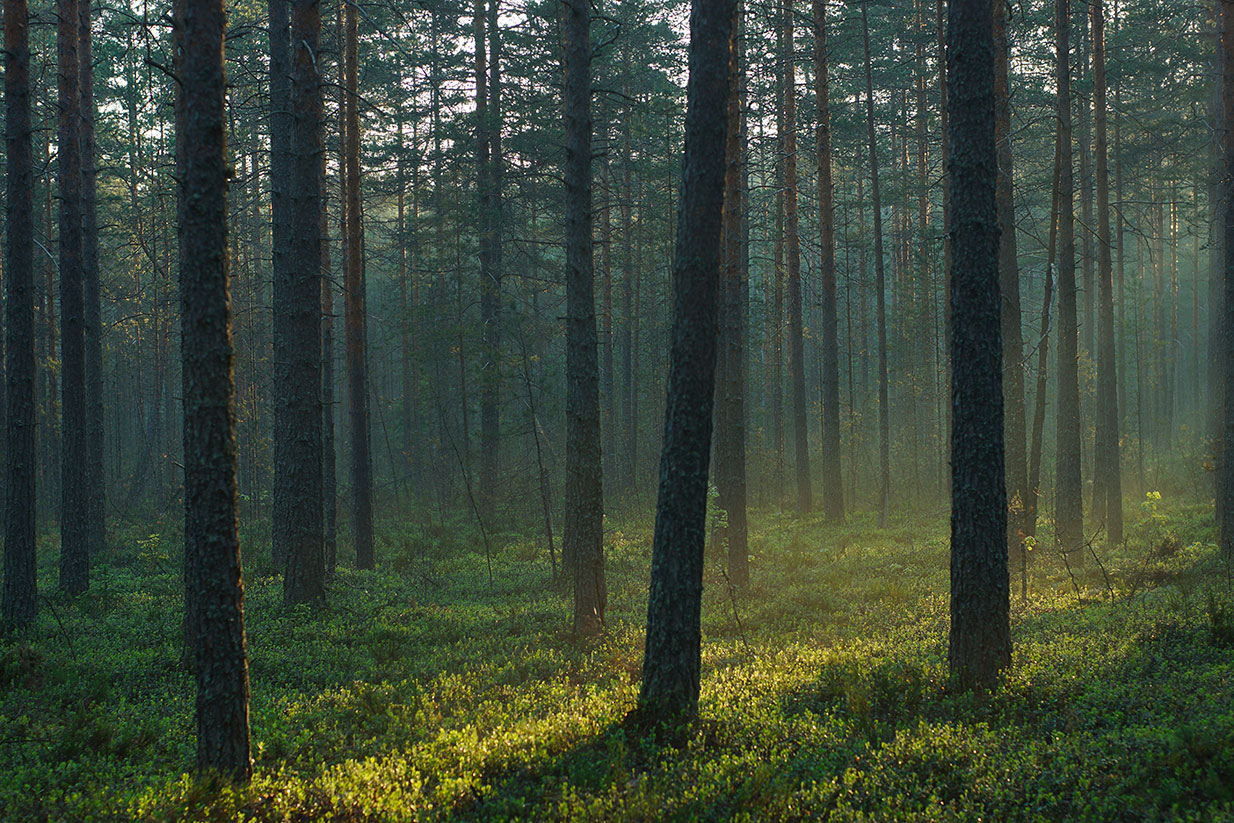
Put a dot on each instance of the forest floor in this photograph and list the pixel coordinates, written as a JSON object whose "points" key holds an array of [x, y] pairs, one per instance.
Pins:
{"points": [[427, 693]]}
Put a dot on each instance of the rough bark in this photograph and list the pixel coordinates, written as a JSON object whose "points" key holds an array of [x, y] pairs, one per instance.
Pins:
{"points": [[214, 581], [980, 638], [582, 539], [1226, 495], [672, 658], [20, 598]]}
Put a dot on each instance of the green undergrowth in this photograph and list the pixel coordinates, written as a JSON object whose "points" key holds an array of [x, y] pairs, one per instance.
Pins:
{"points": [[425, 692]]}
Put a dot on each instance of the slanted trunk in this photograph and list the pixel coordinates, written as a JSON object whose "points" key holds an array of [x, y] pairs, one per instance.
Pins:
{"points": [[672, 658]]}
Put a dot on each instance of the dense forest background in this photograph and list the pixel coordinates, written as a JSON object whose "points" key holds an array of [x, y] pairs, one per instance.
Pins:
{"points": [[459, 239]]}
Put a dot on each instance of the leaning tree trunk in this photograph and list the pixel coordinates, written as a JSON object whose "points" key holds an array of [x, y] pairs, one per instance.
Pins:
{"points": [[833, 478], [214, 584], [74, 545], [980, 639], [20, 599], [672, 658], [582, 540]]}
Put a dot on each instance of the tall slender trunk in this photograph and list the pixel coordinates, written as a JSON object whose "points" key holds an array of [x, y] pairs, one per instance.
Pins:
{"points": [[490, 276], [94, 482], [1043, 349], [833, 476], [796, 343], [357, 356], [304, 575], [20, 596], [884, 416], [1107, 480], [1226, 495], [1068, 500], [730, 469], [74, 537], [582, 541]]}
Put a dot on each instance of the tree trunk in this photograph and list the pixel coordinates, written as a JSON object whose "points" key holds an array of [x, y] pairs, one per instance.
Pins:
{"points": [[357, 357], [304, 577], [672, 658], [980, 639], [1068, 500], [74, 537], [213, 579], [284, 524], [730, 470], [1226, 497], [1009, 287], [94, 483], [884, 416], [833, 477], [20, 602], [582, 540], [796, 343], [1107, 480], [490, 276]]}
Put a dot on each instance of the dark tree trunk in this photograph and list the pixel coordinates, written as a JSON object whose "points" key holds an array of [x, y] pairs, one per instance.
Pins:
{"points": [[487, 114], [20, 565], [329, 462], [354, 300], [304, 576], [74, 537], [1068, 502], [1009, 287], [884, 412], [1037, 446], [980, 640], [283, 526], [672, 659], [1226, 496], [582, 540], [213, 582], [796, 342], [1107, 478], [833, 478], [94, 484], [730, 471]]}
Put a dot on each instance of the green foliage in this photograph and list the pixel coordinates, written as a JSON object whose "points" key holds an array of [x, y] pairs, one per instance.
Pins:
{"points": [[423, 693]]}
